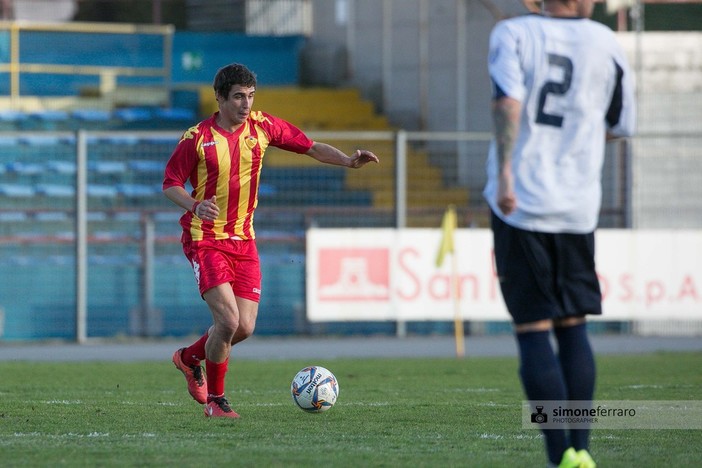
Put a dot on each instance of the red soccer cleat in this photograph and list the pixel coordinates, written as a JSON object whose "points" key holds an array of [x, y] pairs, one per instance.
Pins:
{"points": [[219, 408], [197, 386]]}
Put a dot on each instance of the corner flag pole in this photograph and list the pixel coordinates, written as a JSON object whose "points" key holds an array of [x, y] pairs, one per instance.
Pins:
{"points": [[457, 318], [448, 227]]}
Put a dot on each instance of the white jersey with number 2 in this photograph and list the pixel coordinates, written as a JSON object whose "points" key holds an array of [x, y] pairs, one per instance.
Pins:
{"points": [[574, 84]]}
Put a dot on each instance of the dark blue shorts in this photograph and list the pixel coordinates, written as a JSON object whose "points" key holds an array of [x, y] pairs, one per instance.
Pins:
{"points": [[544, 275]]}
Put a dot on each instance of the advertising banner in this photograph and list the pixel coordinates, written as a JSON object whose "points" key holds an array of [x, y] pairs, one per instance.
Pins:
{"points": [[392, 274]]}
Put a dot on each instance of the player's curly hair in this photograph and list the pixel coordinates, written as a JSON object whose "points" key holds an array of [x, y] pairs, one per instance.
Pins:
{"points": [[230, 75]]}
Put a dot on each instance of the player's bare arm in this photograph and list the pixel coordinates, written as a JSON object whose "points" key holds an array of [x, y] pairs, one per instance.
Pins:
{"points": [[206, 210], [327, 154], [505, 114]]}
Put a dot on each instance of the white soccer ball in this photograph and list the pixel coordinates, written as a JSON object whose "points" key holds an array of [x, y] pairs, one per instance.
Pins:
{"points": [[314, 389]]}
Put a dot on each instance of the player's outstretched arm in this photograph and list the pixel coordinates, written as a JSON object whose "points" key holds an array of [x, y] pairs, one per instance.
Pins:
{"points": [[327, 154]]}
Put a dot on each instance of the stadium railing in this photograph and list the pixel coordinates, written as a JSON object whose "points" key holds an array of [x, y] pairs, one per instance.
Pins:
{"points": [[84, 220]]}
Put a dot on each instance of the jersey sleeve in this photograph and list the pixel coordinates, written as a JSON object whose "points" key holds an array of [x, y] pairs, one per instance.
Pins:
{"points": [[285, 135], [503, 63], [182, 162], [621, 115]]}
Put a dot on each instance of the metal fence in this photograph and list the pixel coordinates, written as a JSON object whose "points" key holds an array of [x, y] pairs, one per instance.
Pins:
{"points": [[89, 246], [109, 54]]}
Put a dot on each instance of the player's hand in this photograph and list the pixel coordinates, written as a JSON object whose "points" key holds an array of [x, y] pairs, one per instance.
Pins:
{"points": [[361, 157], [208, 210], [506, 199]]}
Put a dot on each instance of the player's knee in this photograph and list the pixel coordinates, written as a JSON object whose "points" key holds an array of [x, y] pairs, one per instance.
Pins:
{"points": [[540, 325], [569, 321], [227, 325], [245, 330]]}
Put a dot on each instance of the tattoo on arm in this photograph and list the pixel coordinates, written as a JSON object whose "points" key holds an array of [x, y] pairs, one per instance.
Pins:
{"points": [[505, 114]]}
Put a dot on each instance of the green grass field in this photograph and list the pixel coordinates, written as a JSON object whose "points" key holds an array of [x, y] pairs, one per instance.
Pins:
{"points": [[390, 412]]}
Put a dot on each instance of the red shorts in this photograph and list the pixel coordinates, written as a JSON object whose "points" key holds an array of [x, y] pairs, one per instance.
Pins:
{"points": [[230, 261]]}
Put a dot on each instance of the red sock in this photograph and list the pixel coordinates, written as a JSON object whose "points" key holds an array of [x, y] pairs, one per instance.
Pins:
{"points": [[216, 371], [193, 354]]}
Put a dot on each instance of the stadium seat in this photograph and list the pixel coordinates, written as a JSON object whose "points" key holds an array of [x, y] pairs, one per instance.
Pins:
{"points": [[175, 117], [167, 216], [146, 166], [8, 140], [166, 140], [51, 216], [133, 117], [55, 190], [119, 140], [45, 140], [136, 190], [16, 190], [132, 114], [102, 191], [97, 216], [176, 113], [61, 167], [13, 216], [91, 119], [107, 167], [91, 115], [11, 120], [25, 168], [46, 120], [267, 189]]}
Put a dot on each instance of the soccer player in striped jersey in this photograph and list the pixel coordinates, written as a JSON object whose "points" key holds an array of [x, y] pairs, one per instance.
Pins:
{"points": [[562, 86], [222, 159]]}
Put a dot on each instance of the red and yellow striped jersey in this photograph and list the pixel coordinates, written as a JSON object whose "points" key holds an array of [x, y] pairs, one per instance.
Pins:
{"points": [[228, 165]]}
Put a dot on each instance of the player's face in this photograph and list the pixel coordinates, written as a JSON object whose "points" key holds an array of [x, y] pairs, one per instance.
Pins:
{"points": [[235, 108]]}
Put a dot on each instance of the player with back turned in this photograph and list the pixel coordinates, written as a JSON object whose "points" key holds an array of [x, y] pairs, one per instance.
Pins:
{"points": [[222, 159], [562, 86]]}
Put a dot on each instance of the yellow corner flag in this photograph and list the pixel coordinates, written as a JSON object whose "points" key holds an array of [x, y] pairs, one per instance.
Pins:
{"points": [[448, 226]]}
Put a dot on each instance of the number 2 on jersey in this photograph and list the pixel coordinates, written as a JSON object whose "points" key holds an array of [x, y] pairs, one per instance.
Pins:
{"points": [[557, 88]]}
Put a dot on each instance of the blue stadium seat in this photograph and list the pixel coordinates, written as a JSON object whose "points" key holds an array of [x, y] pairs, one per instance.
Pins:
{"points": [[45, 140], [107, 167], [174, 118], [13, 216], [147, 166], [102, 191], [131, 114], [50, 115], [96, 216], [132, 117], [46, 120], [91, 119], [118, 140], [167, 216], [25, 168], [62, 167], [92, 115], [267, 190], [176, 114], [127, 217], [11, 120], [56, 190], [51, 216], [16, 190], [162, 140], [8, 140], [304, 178], [136, 190]]}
